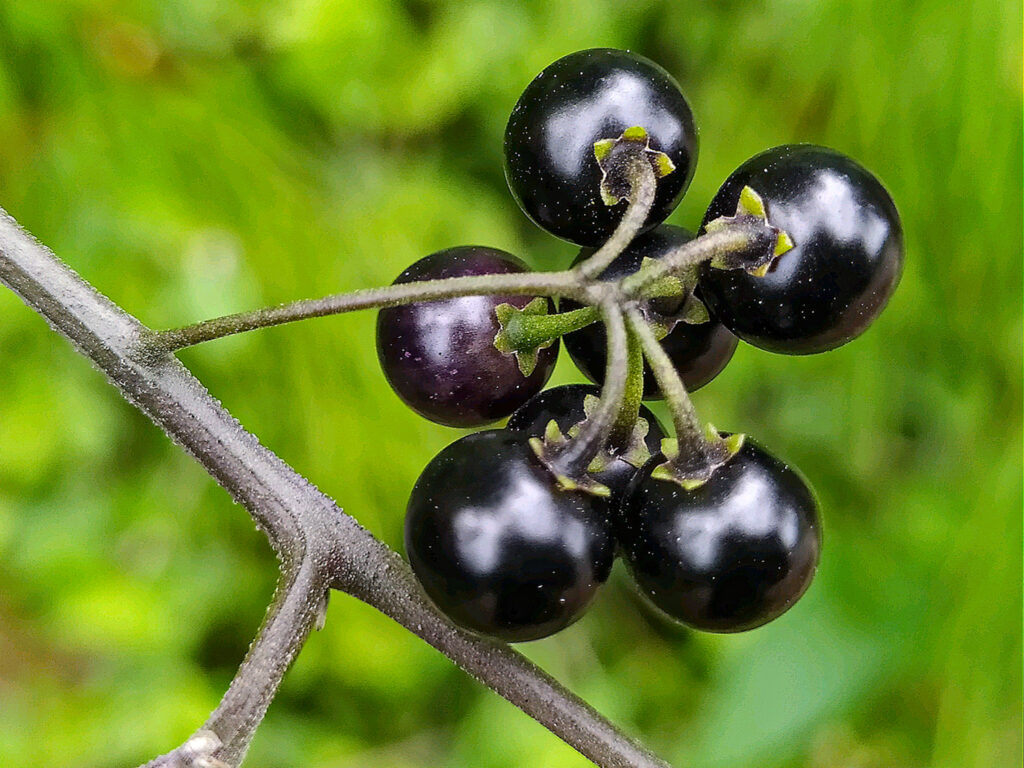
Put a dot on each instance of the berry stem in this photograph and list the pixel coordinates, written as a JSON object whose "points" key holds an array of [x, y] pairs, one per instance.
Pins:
{"points": [[525, 332], [643, 186], [734, 238], [578, 283], [688, 429], [573, 460], [625, 421], [564, 283]]}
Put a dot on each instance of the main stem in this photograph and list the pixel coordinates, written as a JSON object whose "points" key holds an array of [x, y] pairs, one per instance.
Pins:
{"points": [[316, 542]]}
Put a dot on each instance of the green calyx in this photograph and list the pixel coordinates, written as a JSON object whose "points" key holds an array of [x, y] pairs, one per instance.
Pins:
{"points": [[524, 332], [694, 312], [510, 342], [693, 468], [633, 451], [547, 450], [669, 300], [617, 158], [751, 209], [677, 284]]}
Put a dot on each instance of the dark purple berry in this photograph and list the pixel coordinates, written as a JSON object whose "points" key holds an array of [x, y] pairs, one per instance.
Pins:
{"points": [[439, 356]]}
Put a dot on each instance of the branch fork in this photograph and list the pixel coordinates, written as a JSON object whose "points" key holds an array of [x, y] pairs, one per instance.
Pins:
{"points": [[318, 545]]}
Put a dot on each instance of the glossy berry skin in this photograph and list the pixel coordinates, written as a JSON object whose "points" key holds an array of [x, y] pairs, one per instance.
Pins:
{"points": [[729, 556], [578, 100], [498, 547], [699, 352], [439, 356], [565, 406], [846, 263]]}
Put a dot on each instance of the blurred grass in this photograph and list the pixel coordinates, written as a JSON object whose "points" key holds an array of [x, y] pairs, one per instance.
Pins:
{"points": [[192, 158]]}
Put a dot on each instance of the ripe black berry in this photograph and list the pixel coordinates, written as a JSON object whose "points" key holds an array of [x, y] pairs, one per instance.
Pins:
{"points": [[846, 263], [730, 555], [564, 405], [439, 356], [580, 99], [699, 352], [497, 546]]}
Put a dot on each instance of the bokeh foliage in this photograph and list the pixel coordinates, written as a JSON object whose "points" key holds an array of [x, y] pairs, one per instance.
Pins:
{"points": [[193, 158]]}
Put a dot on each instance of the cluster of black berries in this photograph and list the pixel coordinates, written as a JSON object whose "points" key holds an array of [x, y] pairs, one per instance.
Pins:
{"points": [[501, 543]]}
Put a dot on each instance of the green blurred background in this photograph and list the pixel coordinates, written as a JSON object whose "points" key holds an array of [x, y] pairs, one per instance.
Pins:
{"points": [[192, 158]]}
